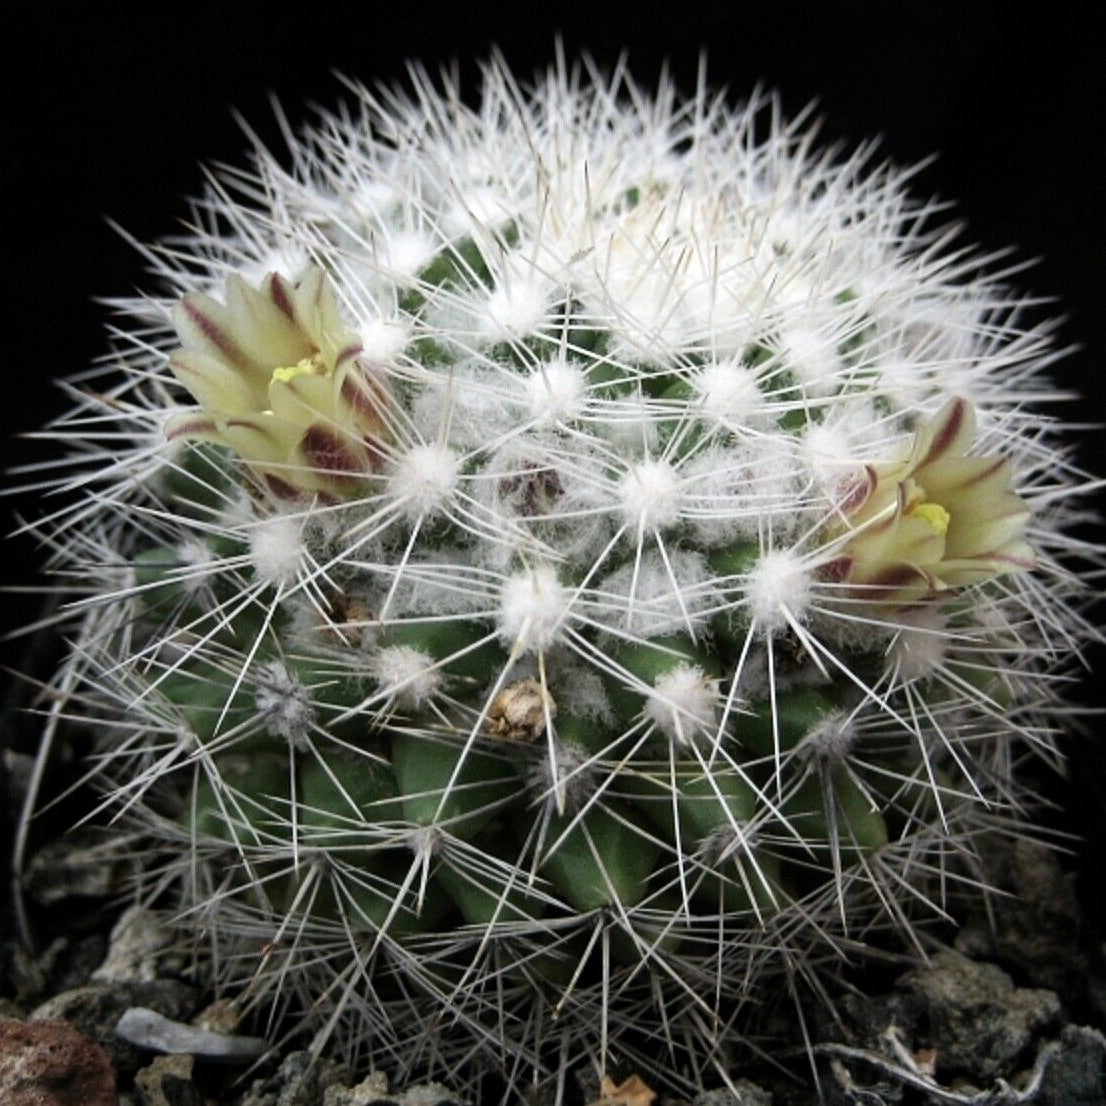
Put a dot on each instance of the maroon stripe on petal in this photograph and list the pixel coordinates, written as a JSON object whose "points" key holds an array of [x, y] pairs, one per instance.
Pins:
{"points": [[986, 473], [858, 491], [365, 394], [950, 428], [377, 454], [187, 427], [326, 452], [213, 332], [883, 585], [281, 488], [281, 295], [348, 353], [833, 572]]}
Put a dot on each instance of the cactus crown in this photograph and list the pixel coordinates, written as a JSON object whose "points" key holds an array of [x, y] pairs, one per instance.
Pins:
{"points": [[573, 561]]}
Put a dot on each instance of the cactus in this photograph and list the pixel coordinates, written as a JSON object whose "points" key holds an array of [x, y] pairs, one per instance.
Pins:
{"points": [[555, 573]]}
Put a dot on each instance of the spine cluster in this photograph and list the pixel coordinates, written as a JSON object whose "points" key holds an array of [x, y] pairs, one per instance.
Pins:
{"points": [[557, 571]]}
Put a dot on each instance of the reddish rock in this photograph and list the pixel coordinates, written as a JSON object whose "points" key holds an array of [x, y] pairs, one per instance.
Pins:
{"points": [[48, 1063]]}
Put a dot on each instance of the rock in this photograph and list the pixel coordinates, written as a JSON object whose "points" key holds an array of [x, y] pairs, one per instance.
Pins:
{"points": [[150, 1030], [869, 1016], [1075, 1072], [48, 1063], [134, 951], [62, 965], [744, 1093], [301, 1080], [80, 865], [167, 1082], [371, 1091], [96, 1010], [978, 1021], [221, 1016], [426, 1094], [1037, 925]]}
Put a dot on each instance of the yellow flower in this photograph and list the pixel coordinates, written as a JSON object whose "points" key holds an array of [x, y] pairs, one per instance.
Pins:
{"points": [[933, 521], [278, 378]]}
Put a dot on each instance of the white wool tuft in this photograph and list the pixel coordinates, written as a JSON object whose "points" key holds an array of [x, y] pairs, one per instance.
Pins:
{"points": [[406, 675], [728, 394], [649, 494], [516, 307], [657, 596], [276, 549], [284, 704], [383, 341], [423, 479], [555, 391], [532, 609], [683, 704], [778, 586]]}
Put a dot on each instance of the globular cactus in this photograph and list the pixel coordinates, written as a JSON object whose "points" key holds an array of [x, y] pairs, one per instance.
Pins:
{"points": [[557, 573]]}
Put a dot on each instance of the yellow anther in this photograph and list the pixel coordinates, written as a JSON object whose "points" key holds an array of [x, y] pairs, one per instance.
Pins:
{"points": [[305, 367], [935, 515]]}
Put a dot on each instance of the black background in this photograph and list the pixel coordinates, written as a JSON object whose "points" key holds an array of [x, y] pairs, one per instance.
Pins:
{"points": [[112, 108]]}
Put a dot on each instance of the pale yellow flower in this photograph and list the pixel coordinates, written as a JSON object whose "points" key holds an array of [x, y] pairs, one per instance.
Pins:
{"points": [[936, 520], [279, 379]]}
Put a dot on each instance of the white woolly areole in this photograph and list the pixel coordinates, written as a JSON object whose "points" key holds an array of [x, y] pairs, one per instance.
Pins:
{"points": [[406, 675], [516, 307], [382, 341], [650, 495], [580, 690], [480, 208], [920, 647], [198, 562], [424, 478], [276, 549], [554, 391], [532, 608], [284, 703], [729, 493], [812, 356], [683, 704], [778, 584], [830, 741], [404, 253], [728, 393]]}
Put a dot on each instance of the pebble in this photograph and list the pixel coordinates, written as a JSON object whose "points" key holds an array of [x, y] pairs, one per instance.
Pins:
{"points": [[150, 1030], [979, 1021], [1076, 1072], [743, 1093], [137, 941], [82, 864], [369, 1092], [48, 1063], [373, 1091], [167, 1082], [301, 1080]]}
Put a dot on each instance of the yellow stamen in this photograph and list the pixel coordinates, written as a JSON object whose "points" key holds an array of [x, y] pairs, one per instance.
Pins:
{"points": [[935, 515], [305, 367]]}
